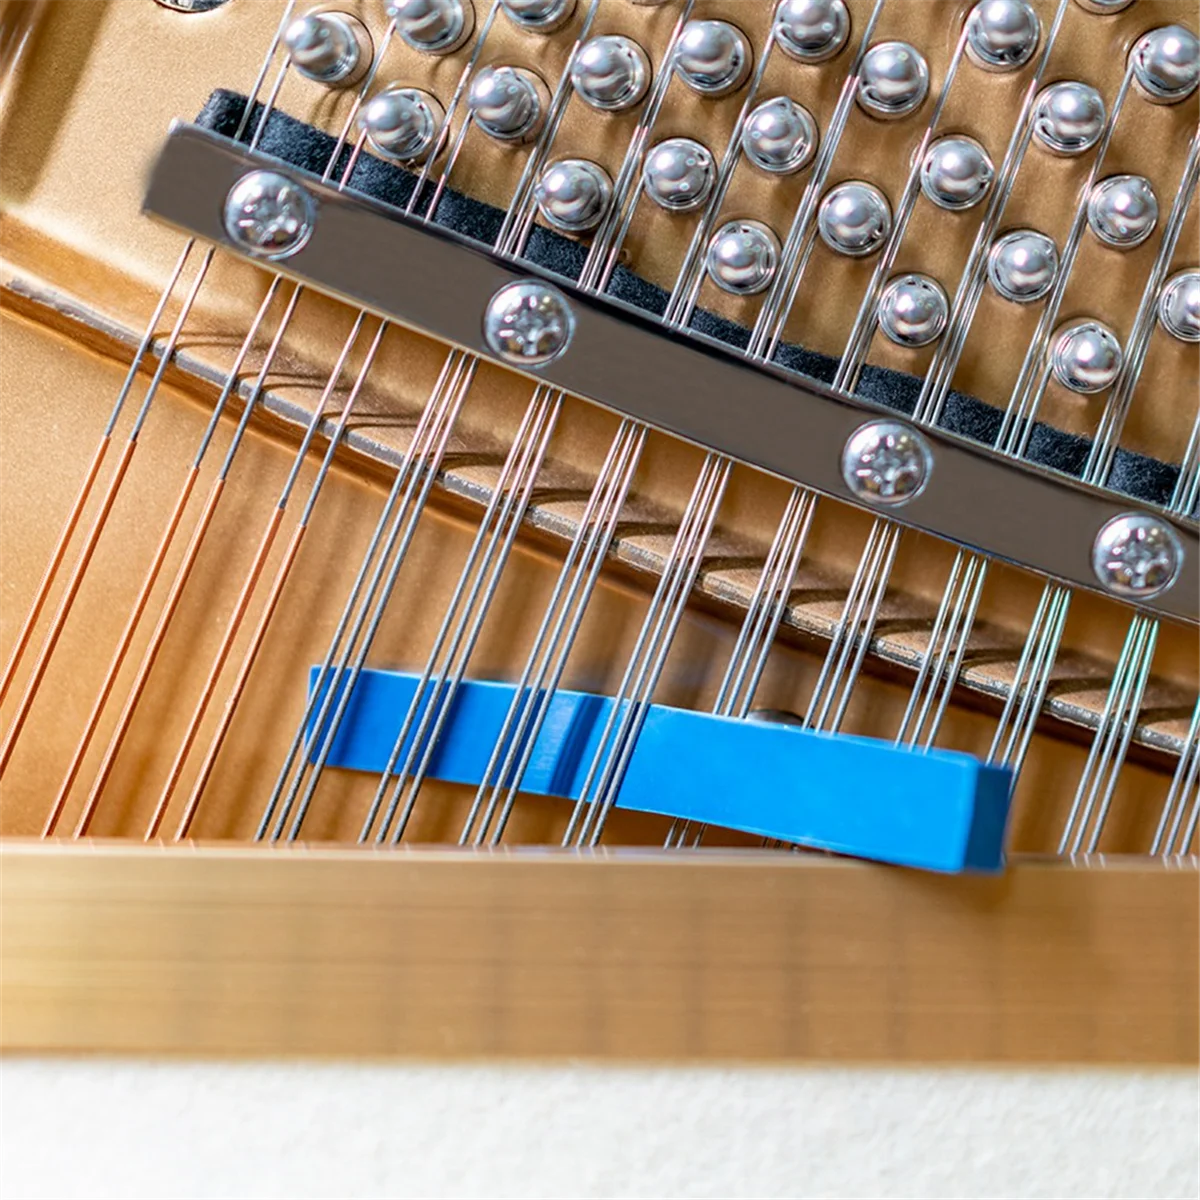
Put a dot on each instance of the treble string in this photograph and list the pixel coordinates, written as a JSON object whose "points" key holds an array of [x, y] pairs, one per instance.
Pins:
{"points": [[1027, 694], [631, 706], [363, 613], [411, 771]]}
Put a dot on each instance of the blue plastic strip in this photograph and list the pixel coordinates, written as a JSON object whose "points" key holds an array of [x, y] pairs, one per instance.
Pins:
{"points": [[939, 810]]}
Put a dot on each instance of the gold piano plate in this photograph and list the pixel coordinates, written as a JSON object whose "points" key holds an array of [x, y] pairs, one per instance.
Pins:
{"points": [[148, 710]]}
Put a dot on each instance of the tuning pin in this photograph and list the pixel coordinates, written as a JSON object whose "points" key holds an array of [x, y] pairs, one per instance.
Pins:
{"points": [[742, 257], [539, 16], [712, 57], [1166, 64], [402, 123], [913, 310], [432, 26], [854, 219], [1123, 211], [1179, 306], [1002, 34], [780, 136], [1069, 118], [573, 194], [894, 80], [332, 48], [956, 173], [508, 103], [611, 73], [678, 174], [1023, 265], [1104, 7], [811, 31], [1086, 357]]}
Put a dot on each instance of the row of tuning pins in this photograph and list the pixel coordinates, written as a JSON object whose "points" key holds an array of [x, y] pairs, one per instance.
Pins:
{"points": [[611, 73]]}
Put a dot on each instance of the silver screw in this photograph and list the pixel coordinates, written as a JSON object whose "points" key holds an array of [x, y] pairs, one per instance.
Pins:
{"points": [[1137, 555], [887, 462], [528, 323], [269, 214]]}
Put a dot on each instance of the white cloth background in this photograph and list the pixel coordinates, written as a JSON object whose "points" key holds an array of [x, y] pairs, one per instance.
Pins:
{"points": [[128, 1129]]}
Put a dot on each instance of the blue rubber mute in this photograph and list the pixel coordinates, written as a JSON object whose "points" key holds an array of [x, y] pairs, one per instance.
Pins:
{"points": [[939, 810]]}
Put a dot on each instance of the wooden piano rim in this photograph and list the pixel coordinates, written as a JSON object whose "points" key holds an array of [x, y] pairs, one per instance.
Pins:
{"points": [[618, 954]]}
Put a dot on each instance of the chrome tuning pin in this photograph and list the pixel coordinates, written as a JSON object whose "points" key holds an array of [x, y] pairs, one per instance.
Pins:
{"points": [[893, 81], [1086, 357], [1002, 34], [1166, 64], [1023, 265], [611, 73], [713, 58], [538, 16], [1123, 211], [678, 174], [402, 123], [1179, 306], [432, 26], [780, 137], [508, 103], [811, 31], [743, 257], [956, 173], [1069, 118], [573, 195], [332, 48], [913, 310], [1104, 7], [855, 219]]}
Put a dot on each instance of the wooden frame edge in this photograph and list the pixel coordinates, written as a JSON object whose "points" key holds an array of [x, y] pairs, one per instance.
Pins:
{"points": [[228, 950]]}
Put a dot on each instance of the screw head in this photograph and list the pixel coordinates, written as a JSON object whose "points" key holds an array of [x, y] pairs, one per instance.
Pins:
{"points": [[528, 323], [887, 462], [269, 214], [1137, 555]]}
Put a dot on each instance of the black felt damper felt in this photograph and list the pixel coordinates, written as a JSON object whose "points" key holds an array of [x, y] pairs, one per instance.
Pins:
{"points": [[302, 146]]}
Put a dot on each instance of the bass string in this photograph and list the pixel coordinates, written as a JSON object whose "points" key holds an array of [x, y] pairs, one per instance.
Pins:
{"points": [[266, 542], [270, 604], [104, 507], [208, 511], [143, 348]]}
